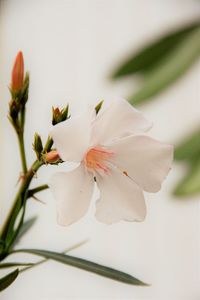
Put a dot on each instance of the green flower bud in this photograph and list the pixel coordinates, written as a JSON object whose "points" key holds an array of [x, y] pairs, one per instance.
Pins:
{"points": [[59, 115], [37, 145]]}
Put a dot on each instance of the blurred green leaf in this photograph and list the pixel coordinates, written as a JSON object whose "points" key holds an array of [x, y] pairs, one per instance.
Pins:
{"points": [[14, 264], [170, 68], [86, 265], [189, 148], [190, 185], [153, 53], [46, 259], [8, 279]]}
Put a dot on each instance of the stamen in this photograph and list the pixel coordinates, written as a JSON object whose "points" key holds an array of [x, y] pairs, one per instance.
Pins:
{"points": [[96, 159]]}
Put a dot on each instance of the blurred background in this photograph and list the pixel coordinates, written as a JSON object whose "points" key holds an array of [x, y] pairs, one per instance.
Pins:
{"points": [[80, 52]]}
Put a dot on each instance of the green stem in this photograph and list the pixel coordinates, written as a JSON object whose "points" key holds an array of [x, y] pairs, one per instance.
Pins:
{"points": [[20, 135], [22, 117], [18, 201], [22, 151]]}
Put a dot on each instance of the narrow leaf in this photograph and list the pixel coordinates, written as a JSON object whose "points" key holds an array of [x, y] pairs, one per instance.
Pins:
{"points": [[14, 264], [2, 246], [189, 148], [170, 69], [37, 189], [46, 259], [190, 185], [154, 52], [8, 279], [86, 265]]}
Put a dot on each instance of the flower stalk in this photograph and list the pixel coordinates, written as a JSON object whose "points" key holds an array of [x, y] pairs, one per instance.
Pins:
{"points": [[19, 201], [20, 137]]}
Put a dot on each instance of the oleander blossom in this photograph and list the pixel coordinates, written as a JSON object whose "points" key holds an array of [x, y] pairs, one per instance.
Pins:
{"points": [[112, 151]]}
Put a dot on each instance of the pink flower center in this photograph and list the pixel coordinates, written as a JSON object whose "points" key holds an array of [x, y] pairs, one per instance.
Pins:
{"points": [[97, 159]]}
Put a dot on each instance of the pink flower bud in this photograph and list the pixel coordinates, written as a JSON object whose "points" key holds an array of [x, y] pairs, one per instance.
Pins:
{"points": [[52, 157], [18, 73]]}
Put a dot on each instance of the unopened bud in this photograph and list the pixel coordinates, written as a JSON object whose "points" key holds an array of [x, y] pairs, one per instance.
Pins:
{"points": [[17, 78], [59, 115], [52, 157], [37, 145]]}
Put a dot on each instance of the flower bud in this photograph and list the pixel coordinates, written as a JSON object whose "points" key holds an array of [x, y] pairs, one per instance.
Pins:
{"points": [[59, 115], [52, 157], [17, 77], [37, 145]]}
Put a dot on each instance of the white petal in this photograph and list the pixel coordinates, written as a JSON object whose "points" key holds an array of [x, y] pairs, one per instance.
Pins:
{"points": [[72, 136], [120, 199], [72, 191], [146, 160], [119, 119]]}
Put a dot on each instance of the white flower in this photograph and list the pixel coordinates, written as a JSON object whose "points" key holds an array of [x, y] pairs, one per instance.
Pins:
{"points": [[110, 150]]}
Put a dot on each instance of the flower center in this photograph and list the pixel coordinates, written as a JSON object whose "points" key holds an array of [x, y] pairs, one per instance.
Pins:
{"points": [[97, 159]]}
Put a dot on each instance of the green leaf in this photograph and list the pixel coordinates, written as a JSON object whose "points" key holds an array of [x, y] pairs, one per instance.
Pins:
{"points": [[153, 53], [190, 185], [170, 69], [14, 264], [8, 280], [36, 190], [2, 246], [86, 265], [189, 148], [46, 259]]}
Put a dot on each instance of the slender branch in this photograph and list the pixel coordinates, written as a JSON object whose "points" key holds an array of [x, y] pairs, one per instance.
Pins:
{"points": [[20, 135], [18, 201], [22, 117], [22, 151]]}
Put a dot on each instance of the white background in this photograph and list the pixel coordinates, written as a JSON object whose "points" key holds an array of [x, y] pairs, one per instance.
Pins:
{"points": [[70, 49]]}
